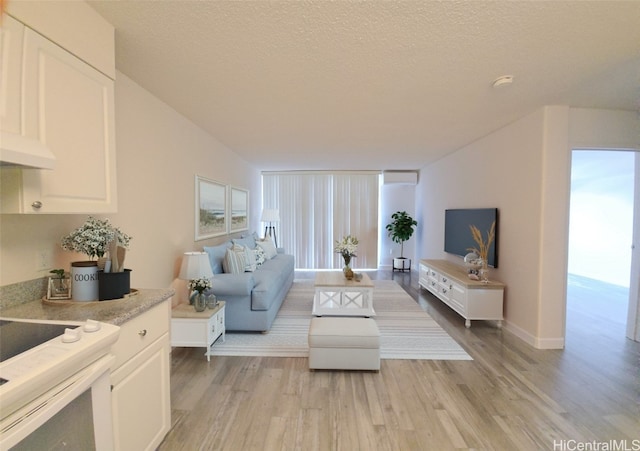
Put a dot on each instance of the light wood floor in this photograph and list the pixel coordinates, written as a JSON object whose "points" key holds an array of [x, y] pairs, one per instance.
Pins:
{"points": [[510, 397]]}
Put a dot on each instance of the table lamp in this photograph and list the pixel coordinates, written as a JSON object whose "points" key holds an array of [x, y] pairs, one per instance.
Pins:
{"points": [[195, 265]]}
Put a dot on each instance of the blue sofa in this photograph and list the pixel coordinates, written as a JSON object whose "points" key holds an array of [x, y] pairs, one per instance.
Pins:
{"points": [[252, 297]]}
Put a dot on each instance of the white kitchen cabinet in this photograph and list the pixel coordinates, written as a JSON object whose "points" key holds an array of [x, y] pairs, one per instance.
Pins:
{"points": [[471, 299], [140, 381], [11, 38], [67, 105]]}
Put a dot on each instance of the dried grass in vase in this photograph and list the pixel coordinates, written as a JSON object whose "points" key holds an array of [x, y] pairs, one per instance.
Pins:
{"points": [[483, 246]]}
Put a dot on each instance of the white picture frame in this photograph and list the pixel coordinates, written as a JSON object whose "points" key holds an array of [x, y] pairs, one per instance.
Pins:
{"points": [[238, 209], [210, 208]]}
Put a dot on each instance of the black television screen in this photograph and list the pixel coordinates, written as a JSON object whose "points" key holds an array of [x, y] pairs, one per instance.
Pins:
{"points": [[457, 232]]}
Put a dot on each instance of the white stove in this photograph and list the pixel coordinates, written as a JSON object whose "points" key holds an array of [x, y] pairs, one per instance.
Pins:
{"points": [[44, 366]]}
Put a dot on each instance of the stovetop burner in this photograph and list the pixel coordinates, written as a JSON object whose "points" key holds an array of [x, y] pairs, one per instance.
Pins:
{"points": [[17, 337], [38, 355]]}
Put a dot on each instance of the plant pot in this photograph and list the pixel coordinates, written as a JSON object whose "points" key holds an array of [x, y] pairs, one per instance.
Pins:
{"points": [[84, 281], [114, 285], [402, 264], [59, 288]]}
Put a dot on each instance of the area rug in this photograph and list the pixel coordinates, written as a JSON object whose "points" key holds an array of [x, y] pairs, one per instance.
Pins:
{"points": [[406, 331]]}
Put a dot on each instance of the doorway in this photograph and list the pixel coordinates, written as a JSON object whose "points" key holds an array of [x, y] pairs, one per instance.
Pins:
{"points": [[600, 239]]}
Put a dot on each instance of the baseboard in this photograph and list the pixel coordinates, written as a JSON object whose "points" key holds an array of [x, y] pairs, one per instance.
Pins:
{"points": [[536, 342], [550, 343]]}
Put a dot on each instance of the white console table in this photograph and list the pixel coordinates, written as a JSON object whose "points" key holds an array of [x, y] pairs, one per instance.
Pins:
{"points": [[471, 299]]}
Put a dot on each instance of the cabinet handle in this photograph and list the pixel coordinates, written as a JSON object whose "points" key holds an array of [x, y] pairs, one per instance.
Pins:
{"points": [[143, 332], [37, 204]]}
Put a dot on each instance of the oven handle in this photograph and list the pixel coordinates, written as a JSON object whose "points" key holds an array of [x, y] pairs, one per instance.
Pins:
{"points": [[18, 425]]}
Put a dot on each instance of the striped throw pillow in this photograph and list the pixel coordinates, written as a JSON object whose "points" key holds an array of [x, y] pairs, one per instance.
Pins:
{"points": [[233, 262]]}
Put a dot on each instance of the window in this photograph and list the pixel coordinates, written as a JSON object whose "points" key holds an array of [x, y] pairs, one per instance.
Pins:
{"points": [[318, 208]]}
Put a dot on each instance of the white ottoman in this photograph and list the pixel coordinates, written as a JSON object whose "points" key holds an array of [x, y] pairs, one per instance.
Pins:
{"points": [[344, 343]]}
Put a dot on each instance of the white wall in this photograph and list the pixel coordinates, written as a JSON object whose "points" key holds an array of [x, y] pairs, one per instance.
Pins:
{"points": [[514, 169], [158, 154], [524, 170]]}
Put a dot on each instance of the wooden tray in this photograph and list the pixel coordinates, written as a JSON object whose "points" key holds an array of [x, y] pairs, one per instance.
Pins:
{"points": [[46, 301]]}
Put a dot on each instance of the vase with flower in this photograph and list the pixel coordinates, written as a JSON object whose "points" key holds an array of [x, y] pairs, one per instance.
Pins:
{"points": [[482, 249], [347, 248], [198, 298]]}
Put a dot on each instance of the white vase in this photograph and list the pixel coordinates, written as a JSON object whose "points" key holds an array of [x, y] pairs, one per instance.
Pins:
{"points": [[84, 281]]}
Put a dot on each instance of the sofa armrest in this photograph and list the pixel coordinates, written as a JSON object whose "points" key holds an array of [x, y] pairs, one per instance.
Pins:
{"points": [[280, 250], [233, 284]]}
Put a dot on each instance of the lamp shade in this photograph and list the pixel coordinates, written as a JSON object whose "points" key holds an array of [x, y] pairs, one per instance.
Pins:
{"points": [[195, 265], [270, 215]]}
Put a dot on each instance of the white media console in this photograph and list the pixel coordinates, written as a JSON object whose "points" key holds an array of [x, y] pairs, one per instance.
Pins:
{"points": [[471, 299]]}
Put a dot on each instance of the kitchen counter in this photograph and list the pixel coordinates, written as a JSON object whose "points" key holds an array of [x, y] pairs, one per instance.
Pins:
{"points": [[117, 311]]}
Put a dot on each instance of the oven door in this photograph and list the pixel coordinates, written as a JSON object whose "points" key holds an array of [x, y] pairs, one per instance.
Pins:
{"points": [[76, 414]]}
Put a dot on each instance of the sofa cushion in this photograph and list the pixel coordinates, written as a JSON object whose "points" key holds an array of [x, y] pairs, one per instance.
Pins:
{"points": [[216, 256], [233, 262], [260, 257], [249, 259], [282, 264], [233, 284], [268, 247], [246, 241], [267, 285]]}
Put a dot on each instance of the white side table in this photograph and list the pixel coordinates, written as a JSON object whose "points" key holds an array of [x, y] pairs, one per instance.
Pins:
{"points": [[197, 329]]}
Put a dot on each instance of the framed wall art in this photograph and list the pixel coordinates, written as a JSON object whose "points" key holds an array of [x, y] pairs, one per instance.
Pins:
{"points": [[239, 203], [211, 208]]}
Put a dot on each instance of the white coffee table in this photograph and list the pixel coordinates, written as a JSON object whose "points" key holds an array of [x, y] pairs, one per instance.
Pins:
{"points": [[337, 296]]}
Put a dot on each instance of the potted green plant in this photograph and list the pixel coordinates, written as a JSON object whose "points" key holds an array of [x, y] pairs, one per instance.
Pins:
{"points": [[59, 285], [400, 229]]}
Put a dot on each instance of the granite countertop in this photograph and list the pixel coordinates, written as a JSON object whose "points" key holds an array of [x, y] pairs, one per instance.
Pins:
{"points": [[117, 311]]}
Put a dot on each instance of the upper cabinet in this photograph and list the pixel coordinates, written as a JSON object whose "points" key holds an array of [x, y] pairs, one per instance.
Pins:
{"points": [[11, 38], [66, 104]]}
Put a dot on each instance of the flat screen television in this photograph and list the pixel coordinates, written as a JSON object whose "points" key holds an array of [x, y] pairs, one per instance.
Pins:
{"points": [[457, 232]]}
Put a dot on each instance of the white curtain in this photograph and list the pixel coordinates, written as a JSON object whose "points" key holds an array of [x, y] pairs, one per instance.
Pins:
{"points": [[319, 208]]}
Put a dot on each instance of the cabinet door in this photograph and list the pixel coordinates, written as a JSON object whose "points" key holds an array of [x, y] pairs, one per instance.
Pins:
{"points": [[11, 35], [141, 399], [69, 106], [458, 296], [423, 276]]}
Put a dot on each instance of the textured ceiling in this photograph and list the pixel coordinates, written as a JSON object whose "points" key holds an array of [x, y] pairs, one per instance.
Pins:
{"points": [[372, 84]]}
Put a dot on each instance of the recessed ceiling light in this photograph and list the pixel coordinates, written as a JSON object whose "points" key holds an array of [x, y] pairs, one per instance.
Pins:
{"points": [[502, 81]]}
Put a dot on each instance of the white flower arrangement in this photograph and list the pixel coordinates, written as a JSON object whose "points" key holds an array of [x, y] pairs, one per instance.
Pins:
{"points": [[347, 247], [93, 238], [199, 285]]}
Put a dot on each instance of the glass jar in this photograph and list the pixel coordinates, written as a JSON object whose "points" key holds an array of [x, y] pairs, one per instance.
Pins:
{"points": [[200, 302], [483, 272], [212, 301]]}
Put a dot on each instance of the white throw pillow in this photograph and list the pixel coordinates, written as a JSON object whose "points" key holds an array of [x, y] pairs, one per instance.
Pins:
{"points": [[249, 260], [268, 247]]}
